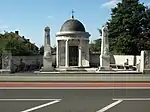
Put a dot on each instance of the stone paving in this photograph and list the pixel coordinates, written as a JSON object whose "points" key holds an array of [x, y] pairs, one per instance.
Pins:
{"points": [[30, 76]]}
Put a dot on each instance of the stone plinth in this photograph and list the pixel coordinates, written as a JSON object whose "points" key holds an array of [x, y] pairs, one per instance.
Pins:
{"points": [[105, 62], [47, 67]]}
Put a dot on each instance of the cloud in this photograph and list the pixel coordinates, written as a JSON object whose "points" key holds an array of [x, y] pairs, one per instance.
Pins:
{"points": [[148, 4], [50, 17], [110, 4], [16, 29], [4, 27]]}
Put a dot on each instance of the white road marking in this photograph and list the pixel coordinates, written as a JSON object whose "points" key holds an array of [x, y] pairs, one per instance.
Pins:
{"points": [[41, 106], [110, 106], [133, 99], [37, 107], [29, 99]]}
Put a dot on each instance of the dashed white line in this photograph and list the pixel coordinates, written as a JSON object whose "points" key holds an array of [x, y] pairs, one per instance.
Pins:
{"points": [[29, 99], [40, 106], [52, 101], [110, 106], [132, 99]]}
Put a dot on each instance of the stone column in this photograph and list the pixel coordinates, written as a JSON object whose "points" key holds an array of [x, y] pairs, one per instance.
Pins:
{"points": [[47, 58], [142, 61], [105, 56], [57, 53], [66, 64], [6, 60], [145, 62], [87, 54], [80, 54]]}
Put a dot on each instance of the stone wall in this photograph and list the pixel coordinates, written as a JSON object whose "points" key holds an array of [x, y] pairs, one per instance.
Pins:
{"points": [[114, 59], [28, 63], [121, 59], [94, 60], [27, 59], [31, 59]]}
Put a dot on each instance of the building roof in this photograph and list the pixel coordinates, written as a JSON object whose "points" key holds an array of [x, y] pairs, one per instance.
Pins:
{"points": [[72, 25]]}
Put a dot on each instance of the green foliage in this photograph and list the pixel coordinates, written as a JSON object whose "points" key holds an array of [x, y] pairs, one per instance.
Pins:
{"points": [[17, 45], [53, 49], [42, 50], [95, 46], [129, 28]]}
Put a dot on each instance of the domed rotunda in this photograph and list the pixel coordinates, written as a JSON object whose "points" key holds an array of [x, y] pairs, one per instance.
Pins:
{"points": [[72, 42]]}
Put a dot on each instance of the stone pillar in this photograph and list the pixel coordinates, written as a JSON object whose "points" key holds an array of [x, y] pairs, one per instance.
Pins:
{"points": [[47, 58], [145, 62], [87, 54], [57, 53], [80, 54], [105, 56], [66, 64], [6, 60], [142, 61]]}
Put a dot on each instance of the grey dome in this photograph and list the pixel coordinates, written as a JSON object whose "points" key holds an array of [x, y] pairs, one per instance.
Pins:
{"points": [[72, 25]]}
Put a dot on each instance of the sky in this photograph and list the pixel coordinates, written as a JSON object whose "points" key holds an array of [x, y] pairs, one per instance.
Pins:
{"points": [[30, 17]]}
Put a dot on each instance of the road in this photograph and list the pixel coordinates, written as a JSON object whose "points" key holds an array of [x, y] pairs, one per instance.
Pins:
{"points": [[75, 100]]}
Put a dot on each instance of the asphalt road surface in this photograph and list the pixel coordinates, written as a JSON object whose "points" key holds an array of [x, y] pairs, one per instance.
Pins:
{"points": [[77, 100]]}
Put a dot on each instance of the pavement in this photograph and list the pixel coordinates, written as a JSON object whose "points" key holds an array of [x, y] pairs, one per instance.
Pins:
{"points": [[75, 100], [73, 77], [74, 85]]}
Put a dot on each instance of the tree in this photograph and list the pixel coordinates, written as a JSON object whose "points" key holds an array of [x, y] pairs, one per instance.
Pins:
{"points": [[18, 46], [53, 49], [129, 28], [41, 50], [95, 46]]}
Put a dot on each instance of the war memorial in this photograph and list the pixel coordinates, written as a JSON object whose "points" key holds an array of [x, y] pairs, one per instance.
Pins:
{"points": [[72, 54]]}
